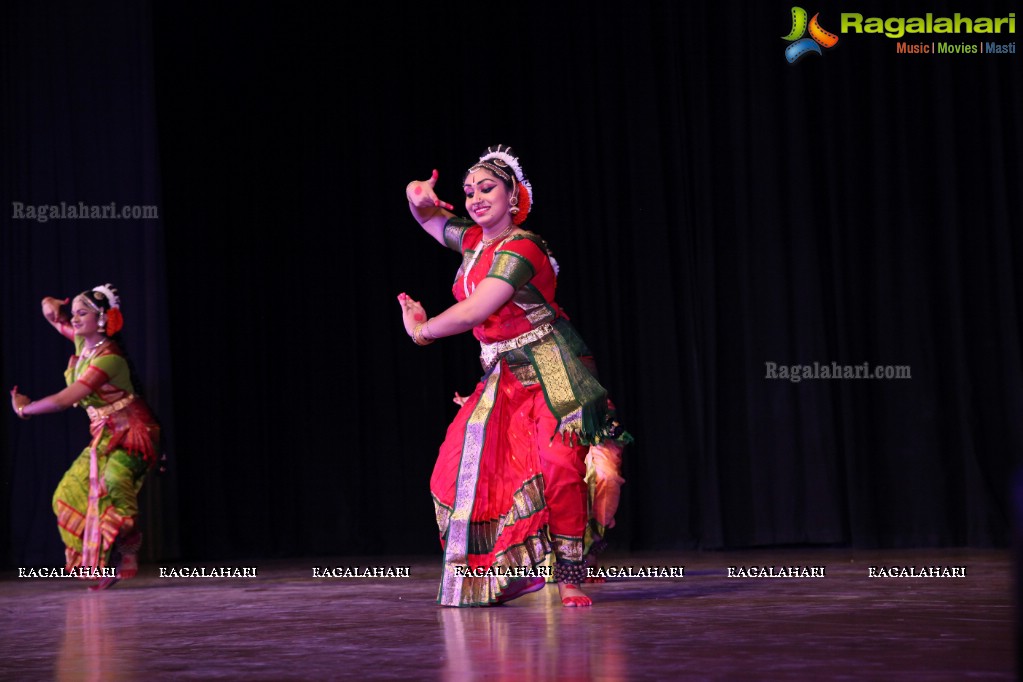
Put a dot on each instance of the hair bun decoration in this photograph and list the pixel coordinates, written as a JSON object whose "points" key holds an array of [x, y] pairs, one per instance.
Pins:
{"points": [[114, 318], [109, 293], [525, 203], [115, 321]]}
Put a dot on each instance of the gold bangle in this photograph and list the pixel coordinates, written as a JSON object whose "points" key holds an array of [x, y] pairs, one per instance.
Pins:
{"points": [[21, 411], [417, 336]]}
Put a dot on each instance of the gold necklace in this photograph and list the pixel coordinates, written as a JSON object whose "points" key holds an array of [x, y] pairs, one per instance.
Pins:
{"points": [[87, 354], [91, 350], [483, 246], [485, 243]]}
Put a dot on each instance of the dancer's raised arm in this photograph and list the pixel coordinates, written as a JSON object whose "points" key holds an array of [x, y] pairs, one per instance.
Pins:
{"points": [[428, 210], [57, 318]]}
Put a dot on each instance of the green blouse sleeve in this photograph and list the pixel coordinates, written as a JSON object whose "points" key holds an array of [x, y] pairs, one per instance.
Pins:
{"points": [[115, 367], [512, 268], [517, 260], [454, 230]]}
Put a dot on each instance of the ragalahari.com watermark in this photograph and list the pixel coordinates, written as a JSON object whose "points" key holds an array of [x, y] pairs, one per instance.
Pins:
{"points": [[42, 213], [834, 370]]}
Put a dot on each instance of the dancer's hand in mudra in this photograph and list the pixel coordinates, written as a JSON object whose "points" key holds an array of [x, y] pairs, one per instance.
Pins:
{"points": [[19, 400], [412, 313], [421, 195], [51, 309]]}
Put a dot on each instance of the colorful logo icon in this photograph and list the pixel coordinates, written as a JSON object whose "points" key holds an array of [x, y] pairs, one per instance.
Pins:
{"points": [[801, 46]]}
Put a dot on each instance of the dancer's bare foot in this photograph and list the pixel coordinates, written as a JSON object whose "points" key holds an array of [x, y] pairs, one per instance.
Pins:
{"points": [[571, 595], [129, 567], [521, 587], [125, 554], [104, 583]]}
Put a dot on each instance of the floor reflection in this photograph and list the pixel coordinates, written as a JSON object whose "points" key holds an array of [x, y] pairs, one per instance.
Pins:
{"points": [[100, 635], [536, 638], [287, 626]]}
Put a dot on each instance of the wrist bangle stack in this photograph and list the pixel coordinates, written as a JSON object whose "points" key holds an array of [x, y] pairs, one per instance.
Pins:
{"points": [[417, 335]]}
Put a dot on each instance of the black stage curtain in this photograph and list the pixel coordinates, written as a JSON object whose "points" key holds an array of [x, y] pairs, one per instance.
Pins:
{"points": [[713, 208]]}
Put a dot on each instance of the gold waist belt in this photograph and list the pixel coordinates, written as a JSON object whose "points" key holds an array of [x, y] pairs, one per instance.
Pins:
{"points": [[490, 353], [100, 413]]}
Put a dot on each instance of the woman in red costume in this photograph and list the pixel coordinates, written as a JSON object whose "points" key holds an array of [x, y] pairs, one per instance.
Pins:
{"points": [[96, 502], [510, 485]]}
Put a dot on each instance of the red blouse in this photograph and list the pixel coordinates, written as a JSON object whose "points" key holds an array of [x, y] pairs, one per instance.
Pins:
{"points": [[518, 260]]}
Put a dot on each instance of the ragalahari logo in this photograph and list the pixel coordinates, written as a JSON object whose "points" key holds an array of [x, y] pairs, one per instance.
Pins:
{"points": [[801, 46]]}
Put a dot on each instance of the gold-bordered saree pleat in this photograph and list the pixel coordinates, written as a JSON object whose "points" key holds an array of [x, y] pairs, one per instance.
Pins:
{"points": [[464, 537]]}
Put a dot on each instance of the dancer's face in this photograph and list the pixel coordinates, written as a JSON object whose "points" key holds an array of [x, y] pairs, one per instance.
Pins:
{"points": [[84, 319], [487, 199]]}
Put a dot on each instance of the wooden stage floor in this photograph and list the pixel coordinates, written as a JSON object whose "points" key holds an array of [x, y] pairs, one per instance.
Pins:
{"points": [[285, 624]]}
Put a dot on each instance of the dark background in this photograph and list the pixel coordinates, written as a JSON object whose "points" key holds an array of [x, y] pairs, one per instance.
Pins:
{"points": [[713, 208]]}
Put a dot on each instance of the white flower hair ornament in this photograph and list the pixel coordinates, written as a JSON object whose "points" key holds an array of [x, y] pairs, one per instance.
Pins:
{"points": [[499, 161], [110, 293]]}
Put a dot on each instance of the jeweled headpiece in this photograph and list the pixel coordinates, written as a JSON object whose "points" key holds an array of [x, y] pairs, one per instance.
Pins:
{"points": [[501, 162], [110, 319]]}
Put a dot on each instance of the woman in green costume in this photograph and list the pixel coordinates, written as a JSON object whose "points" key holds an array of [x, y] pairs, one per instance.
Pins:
{"points": [[96, 502]]}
